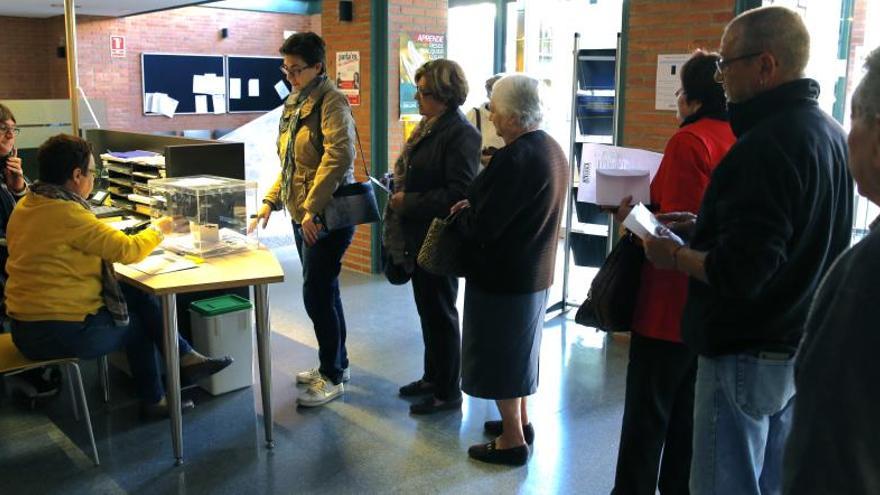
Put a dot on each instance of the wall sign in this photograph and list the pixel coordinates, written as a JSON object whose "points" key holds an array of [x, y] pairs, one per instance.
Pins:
{"points": [[348, 75], [117, 46]]}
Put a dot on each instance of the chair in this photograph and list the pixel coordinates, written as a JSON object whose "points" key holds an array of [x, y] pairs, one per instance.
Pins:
{"points": [[12, 362]]}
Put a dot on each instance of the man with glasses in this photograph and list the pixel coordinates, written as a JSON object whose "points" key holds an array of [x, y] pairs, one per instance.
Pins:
{"points": [[776, 214]]}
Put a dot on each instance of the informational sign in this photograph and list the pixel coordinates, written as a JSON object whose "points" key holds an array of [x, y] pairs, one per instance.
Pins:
{"points": [[348, 75], [668, 80], [117, 46], [415, 50]]}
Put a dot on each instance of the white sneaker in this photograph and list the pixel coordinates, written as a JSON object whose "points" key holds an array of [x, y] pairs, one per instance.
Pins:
{"points": [[319, 393], [313, 374]]}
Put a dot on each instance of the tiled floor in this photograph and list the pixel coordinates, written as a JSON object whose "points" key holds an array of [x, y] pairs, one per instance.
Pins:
{"points": [[364, 443]]}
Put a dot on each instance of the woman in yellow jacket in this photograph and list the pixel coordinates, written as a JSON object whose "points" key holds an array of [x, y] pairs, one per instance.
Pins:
{"points": [[62, 295]]}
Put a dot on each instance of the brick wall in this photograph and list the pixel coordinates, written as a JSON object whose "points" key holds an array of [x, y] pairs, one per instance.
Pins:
{"points": [[117, 81], [353, 36], [661, 27]]}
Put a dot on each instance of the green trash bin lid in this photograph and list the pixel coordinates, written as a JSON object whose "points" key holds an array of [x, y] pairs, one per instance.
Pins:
{"points": [[220, 305]]}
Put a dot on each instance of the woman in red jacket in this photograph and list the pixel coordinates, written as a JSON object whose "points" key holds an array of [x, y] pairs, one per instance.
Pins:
{"points": [[658, 412]]}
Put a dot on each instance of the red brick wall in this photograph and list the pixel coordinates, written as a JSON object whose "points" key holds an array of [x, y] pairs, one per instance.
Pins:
{"points": [[342, 37], [25, 48], [663, 27], [117, 81]]}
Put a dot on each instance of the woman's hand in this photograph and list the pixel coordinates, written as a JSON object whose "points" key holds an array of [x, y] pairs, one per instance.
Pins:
{"points": [[14, 174], [661, 249], [263, 215], [680, 222], [397, 201], [459, 206], [623, 209], [164, 225], [310, 230]]}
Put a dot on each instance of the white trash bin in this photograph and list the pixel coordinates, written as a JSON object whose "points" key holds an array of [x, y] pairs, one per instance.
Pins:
{"points": [[223, 326]]}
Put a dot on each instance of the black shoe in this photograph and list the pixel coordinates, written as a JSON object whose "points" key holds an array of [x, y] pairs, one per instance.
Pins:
{"points": [[160, 411], [37, 383], [417, 388], [195, 372], [428, 406], [496, 428], [486, 452]]}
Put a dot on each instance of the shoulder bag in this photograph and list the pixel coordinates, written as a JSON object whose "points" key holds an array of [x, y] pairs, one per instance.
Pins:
{"points": [[441, 252], [613, 294]]}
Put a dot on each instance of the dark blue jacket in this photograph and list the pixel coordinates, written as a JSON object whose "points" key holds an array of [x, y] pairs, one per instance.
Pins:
{"points": [[777, 212]]}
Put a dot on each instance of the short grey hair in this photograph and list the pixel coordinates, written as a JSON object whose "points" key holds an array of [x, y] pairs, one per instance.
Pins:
{"points": [[866, 100], [778, 30], [518, 96]]}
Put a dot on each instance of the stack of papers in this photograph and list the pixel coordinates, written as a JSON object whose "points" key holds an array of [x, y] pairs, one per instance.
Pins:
{"points": [[162, 262]]}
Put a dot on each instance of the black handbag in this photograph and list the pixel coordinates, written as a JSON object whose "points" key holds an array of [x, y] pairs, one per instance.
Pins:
{"points": [[613, 295], [442, 250], [352, 204]]}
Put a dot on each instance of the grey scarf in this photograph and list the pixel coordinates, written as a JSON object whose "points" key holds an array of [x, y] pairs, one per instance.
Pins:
{"points": [[290, 120], [110, 290]]}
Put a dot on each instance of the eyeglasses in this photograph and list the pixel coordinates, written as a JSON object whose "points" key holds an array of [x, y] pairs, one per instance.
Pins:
{"points": [[423, 92], [14, 130], [295, 71], [723, 63]]}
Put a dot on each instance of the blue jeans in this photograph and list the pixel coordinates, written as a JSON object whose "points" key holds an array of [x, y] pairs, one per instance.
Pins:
{"points": [[743, 407], [98, 335], [321, 264]]}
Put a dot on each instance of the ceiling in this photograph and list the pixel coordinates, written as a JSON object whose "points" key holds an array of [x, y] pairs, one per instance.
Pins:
{"points": [[114, 8]]}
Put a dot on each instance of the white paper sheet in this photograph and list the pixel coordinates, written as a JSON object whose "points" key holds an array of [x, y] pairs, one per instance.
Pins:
{"points": [[201, 103], [641, 221], [167, 105], [219, 102], [156, 264], [216, 85], [148, 102], [668, 80], [234, 88], [200, 84], [604, 157], [253, 87], [281, 89]]}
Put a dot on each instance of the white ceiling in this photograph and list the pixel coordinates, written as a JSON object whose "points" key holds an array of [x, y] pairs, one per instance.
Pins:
{"points": [[113, 8]]}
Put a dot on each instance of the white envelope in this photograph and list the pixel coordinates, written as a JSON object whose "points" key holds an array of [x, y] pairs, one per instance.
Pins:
{"points": [[612, 185]]}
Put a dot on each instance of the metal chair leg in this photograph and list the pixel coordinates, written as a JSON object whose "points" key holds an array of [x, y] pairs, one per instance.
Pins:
{"points": [[104, 372], [85, 407], [72, 389]]}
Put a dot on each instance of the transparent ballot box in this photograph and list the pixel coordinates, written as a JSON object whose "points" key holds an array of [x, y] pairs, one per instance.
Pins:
{"points": [[210, 213]]}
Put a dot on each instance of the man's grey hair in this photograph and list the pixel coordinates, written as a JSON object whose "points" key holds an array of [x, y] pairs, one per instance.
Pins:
{"points": [[778, 30], [518, 96], [867, 97]]}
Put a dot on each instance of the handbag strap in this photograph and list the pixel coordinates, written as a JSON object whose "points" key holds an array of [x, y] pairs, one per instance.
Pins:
{"points": [[320, 106]]}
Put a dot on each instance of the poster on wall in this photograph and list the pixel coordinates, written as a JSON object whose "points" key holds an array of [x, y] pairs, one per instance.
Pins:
{"points": [[348, 75], [415, 50], [668, 80]]}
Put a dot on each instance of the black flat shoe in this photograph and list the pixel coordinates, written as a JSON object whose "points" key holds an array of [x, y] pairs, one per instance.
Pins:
{"points": [[428, 406], [486, 452], [417, 388], [496, 428], [195, 372], [160, 411]]}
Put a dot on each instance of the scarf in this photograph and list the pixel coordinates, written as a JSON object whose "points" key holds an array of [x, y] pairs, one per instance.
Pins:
{"points": [[392, 235], [290, 121], [110, 290]]}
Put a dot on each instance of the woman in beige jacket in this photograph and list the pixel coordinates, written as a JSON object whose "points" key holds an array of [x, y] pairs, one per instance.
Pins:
{"points": [[316, 147]]}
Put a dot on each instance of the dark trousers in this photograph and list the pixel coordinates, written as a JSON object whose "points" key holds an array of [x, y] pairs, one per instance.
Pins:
{"points": [[321, 264], [658, 417], [98, 335], [435, 301]]}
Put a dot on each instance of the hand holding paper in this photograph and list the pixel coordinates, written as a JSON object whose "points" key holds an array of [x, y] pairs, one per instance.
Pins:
{"points": [[641, 222]]}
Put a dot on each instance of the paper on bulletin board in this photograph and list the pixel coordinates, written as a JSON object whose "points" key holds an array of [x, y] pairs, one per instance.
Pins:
{"points": [[201, 103], [234, 88], [668, 80], [253, 88], [595, 157], [219, 103], [281, 89], [415, 50], [165, 104], [348, 75]]}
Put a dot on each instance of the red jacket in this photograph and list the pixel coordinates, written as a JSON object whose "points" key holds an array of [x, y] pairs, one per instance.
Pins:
{"points": [[688, 161]]}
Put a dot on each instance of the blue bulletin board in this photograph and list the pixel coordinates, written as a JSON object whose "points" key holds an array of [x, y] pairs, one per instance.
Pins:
{"points": [[266, 70], [172, 74]]}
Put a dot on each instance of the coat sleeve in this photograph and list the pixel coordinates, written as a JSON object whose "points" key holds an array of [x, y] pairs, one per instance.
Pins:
{"points": [[337, 127], [273, 195], [459, 161], [97, 238], [754, 220]]}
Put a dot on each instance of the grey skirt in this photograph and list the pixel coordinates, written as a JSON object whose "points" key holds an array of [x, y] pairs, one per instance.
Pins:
{"points": [[501, 343]]}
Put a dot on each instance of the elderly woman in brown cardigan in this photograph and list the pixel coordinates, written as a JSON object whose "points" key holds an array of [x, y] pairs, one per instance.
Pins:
{"points": [[510, 223]]}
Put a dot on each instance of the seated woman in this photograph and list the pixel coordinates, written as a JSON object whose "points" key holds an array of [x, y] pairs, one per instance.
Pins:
{"points": [[62, 295]]}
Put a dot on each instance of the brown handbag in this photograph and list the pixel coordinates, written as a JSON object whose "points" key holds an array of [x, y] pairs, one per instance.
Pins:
{"points": [[441, 252], [611, 302]]}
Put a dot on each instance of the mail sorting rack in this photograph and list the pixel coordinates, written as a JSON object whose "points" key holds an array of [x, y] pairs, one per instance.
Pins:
{"points": [[127, 179], [210, 213]]}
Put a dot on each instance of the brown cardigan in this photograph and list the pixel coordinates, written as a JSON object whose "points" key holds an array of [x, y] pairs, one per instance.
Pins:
{"points": [[511, 229]]}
